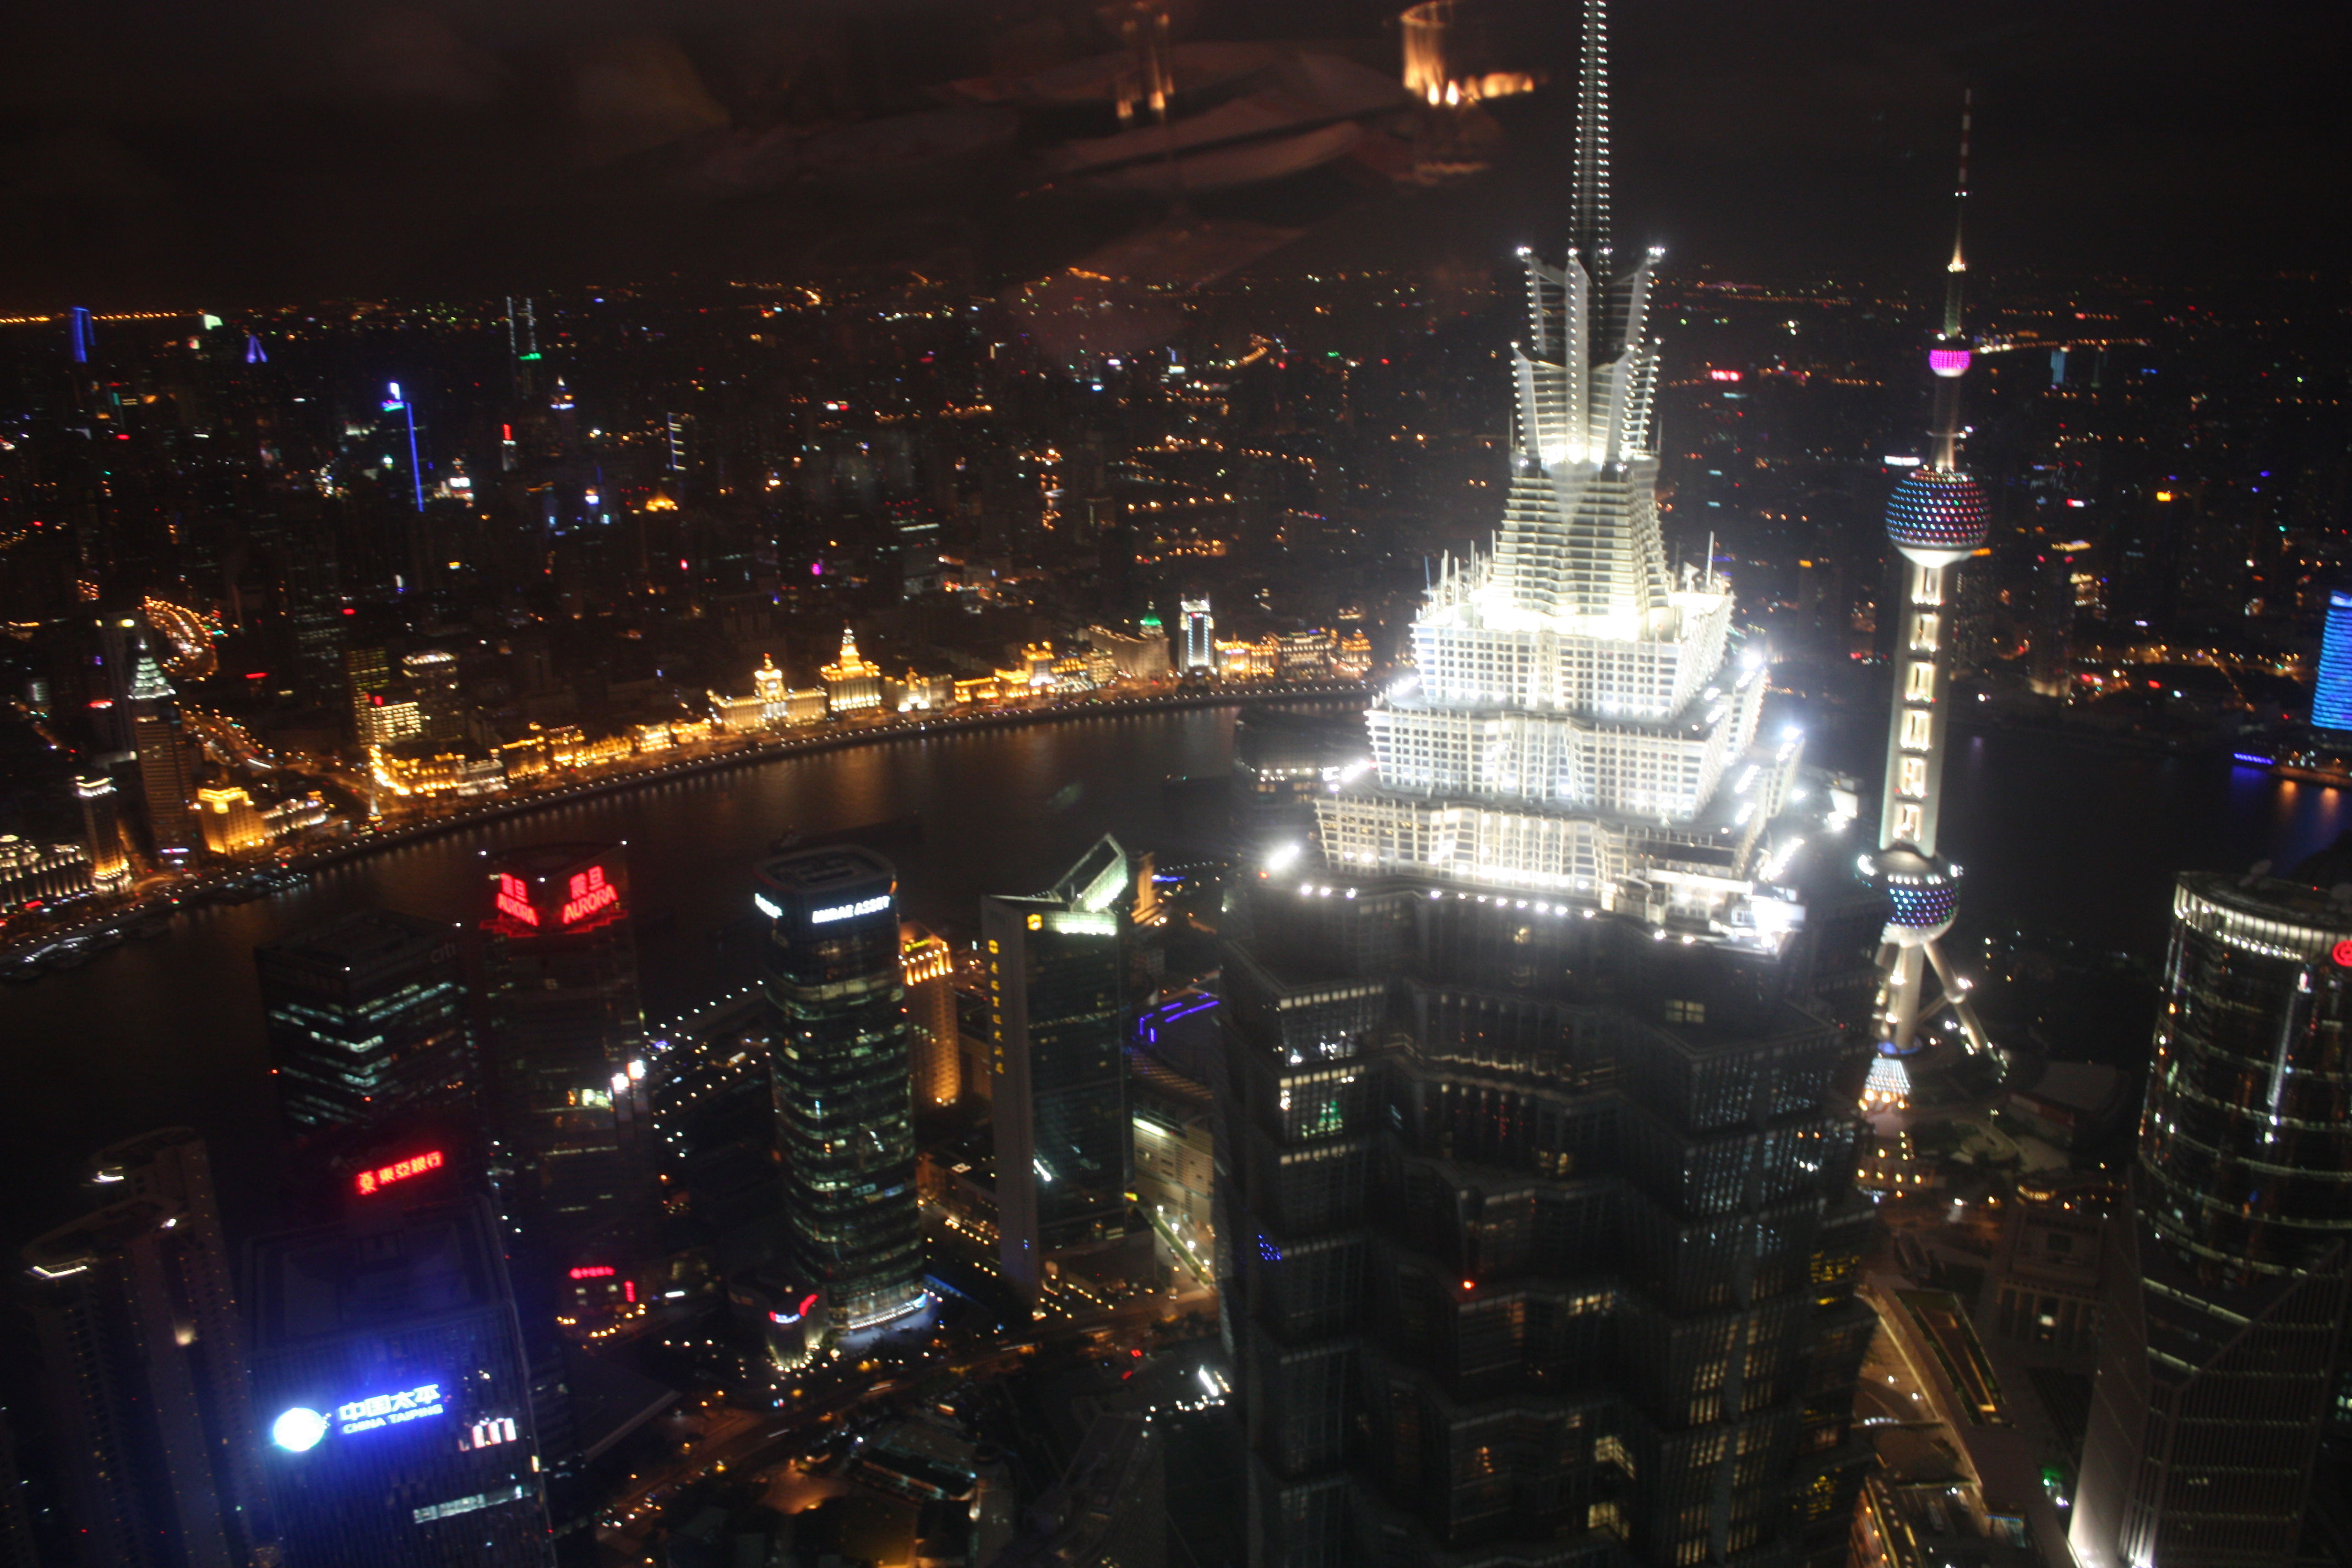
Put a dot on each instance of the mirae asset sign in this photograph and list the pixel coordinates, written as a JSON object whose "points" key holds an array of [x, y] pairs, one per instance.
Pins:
{"points": [[873, 906]]}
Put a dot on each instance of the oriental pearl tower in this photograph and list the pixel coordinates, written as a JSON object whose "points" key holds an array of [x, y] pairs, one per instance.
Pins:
{"points": [[1936, 518]]}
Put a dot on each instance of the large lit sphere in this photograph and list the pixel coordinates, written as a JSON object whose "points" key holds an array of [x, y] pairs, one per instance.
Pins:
{"points": [[1949, 362], [1923, 893], [298, 1431], [1936, 518]]}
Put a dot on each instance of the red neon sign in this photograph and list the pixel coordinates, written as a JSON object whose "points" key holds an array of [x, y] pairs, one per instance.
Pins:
{"points": [[514, 899], [593, 1271], [398, 1170], [1723, 375], [590, 892], [2343, 956]]}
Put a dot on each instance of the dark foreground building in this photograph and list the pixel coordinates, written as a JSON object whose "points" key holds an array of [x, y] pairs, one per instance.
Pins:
{"points": [[389, 1371], [845, 1093], [563, 1060], [1538, 1239], [146, 1364], [2223, 1346], [366, 1018], [1057, 1034]]}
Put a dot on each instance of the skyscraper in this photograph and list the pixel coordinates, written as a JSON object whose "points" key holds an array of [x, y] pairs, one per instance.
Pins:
{"points": [[390, 1373], [1535, 1229], [1566, 683], [2222, 1347], [1936, 520], [844, 1110], [366, 1016], [167, 778], [1200, 634], [1057, 1029], [145, 1358], [562, 1056], [931, 1035], [2331, 698], [109, 867]]}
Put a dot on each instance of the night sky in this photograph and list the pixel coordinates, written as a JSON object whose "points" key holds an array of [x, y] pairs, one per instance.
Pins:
{"points": [[259, 151]]}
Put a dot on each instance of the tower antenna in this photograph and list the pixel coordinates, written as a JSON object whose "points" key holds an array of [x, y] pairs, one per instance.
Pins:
{"points": [[1589, 232]]}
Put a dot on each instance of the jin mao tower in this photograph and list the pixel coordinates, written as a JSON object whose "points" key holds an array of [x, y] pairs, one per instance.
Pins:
{"points": [[1536, 1228]]}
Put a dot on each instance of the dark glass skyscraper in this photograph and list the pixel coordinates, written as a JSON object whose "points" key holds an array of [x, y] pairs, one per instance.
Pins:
{"points": [[366, 1016], [563, 1056], [1537, 1238], [844, 1094], [2224, 1343], [390, 1374], [145, 1357], [1057, 1024]]}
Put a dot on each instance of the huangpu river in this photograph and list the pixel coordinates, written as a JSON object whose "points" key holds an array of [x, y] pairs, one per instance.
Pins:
{"points": [[2053, 835]]}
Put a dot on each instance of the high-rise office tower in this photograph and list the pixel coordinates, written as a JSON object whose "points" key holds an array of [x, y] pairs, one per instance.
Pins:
{"points": [[390, 1374], [2224, 1342], [2331, 696], [844, 1099], [1058, 1031], [146, 1364], [1199, 635], [366, 1017], [166, 773], [110, 865], [932, 1037], [431, 678], [1565, 681], [563, 1059], [1535, 1226], [1936, 520]]}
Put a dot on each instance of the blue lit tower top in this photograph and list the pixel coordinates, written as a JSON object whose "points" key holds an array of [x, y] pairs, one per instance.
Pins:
{"points": [[2331, 699]]}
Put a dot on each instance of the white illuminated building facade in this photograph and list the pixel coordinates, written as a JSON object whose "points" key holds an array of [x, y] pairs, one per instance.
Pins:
{"points": [[1574, 724]]}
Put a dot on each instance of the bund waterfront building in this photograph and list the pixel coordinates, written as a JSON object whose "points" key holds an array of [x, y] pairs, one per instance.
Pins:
{"points": [[1537, 1229], [2223, 1351], [366, 1017], [146, 1365], [394, 1393], [1057, 1034], [843, 1084]]}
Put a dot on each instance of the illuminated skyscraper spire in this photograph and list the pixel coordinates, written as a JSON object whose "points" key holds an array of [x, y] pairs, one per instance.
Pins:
{"points": [[1573, 719], [1589, 230], [1936, 518]]}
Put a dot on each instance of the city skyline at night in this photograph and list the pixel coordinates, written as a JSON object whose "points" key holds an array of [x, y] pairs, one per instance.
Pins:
{"points": [[884, 785]]}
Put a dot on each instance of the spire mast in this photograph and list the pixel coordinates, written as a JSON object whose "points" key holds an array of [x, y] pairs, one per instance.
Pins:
{"points": [[1949, 356], [1959, 266], [1589, 234]]}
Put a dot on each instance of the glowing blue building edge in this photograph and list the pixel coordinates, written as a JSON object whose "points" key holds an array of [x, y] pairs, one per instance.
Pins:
{"points": [[2331, 701]]}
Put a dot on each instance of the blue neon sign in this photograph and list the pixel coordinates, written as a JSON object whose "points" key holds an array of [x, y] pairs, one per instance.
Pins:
{"points": [[390, 1409]]}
